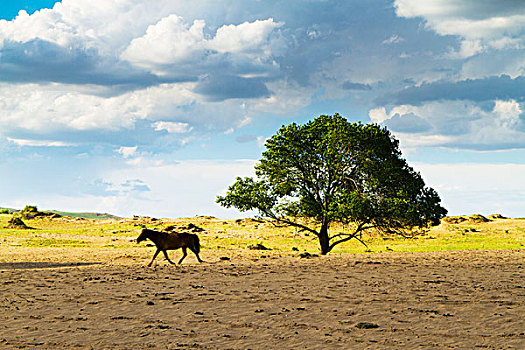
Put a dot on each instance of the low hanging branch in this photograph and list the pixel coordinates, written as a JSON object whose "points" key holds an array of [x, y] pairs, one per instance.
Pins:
{"points": [[349, 236]]}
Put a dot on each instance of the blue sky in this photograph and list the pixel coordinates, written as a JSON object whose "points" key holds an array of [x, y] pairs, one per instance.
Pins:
{"points": [[153, 107]]}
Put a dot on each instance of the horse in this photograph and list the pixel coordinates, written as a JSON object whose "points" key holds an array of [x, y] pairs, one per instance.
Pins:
{"points": [[169, 241]]}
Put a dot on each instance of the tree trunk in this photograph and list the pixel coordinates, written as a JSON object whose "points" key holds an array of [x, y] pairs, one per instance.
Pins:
{"points": [[323, 238]]}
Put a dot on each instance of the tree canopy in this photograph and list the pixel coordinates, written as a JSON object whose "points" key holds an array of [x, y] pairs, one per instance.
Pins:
{"points": [[330, 170]]}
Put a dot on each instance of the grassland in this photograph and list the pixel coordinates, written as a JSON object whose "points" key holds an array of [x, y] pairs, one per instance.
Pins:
{"points": [[223, 236], [72, 283]]}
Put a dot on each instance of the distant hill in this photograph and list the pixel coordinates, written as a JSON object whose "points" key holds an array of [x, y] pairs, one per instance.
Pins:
{"points": [[99, 216], [8, 210]]}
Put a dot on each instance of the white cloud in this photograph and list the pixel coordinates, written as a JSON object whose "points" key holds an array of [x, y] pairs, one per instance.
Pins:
{"points": [[46, 24], [173, 128], [96, 40], [467, 49], [52, 108], [104, 25], [491, 24], [508, 113], [456, 124], [127, 151], [167, 42], [261, 141], [39, 143], [378, 115], [394, 39], [172, 41], [246, 37], [494, 28]]}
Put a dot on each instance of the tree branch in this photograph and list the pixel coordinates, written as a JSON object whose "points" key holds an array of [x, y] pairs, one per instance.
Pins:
{"points": [[354, 235], [288, 222], [360, 228]]}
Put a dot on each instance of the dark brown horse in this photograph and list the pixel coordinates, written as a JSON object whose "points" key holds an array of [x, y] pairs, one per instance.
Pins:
{"points": [[169, 241]]}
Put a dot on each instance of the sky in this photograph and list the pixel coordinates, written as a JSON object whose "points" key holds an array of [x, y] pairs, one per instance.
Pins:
{"points": [[154, 107]]}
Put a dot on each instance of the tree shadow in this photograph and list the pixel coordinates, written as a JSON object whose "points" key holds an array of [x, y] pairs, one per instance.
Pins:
{"points": [[41, 265]]}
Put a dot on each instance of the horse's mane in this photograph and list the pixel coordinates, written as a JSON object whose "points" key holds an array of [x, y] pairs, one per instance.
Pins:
{"points": [[166, 233], [158, 232]]}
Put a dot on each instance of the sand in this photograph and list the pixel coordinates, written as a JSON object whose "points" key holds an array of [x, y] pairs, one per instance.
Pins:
{"points": [[75, 299]]}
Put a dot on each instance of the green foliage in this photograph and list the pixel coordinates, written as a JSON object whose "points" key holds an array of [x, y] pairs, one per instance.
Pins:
{"points": [[5, 211], [29, 212], [53, 242], [330, 170], [30, 209]]}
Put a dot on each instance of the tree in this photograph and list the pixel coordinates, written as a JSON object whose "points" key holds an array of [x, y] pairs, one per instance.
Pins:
{"points": [[29, 212], [30, 209], [330, 170]]}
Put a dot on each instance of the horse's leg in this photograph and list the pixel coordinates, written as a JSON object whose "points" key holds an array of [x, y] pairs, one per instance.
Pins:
{"points": [[154, 256], [196, 254], [166, 255], [184, 254]]}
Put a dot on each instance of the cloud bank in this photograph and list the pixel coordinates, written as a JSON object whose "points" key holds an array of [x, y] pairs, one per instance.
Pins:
{"points": [[482, 25], [121, 86], [104, 66]]}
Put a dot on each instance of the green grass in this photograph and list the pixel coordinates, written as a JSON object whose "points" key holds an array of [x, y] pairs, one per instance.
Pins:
{"points": [[498, 234], [96, 216], [234, 235], [54, 243]]}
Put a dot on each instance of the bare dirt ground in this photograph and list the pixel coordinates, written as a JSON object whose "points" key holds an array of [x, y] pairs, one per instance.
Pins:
{"points": [[75, 299]]}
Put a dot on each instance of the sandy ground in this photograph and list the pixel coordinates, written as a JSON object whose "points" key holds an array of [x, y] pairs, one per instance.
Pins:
{"points": [[78, 300]]}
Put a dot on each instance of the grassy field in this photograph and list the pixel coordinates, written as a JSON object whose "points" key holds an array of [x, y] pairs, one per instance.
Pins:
{"points": [[73, 283], [223, 236]]}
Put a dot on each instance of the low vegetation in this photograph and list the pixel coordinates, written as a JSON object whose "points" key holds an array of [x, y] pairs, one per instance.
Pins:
{"points": [[258, 238], [32, 211]]}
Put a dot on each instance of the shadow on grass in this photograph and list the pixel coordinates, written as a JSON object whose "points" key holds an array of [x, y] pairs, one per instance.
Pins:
{"points": [[42, 265]]}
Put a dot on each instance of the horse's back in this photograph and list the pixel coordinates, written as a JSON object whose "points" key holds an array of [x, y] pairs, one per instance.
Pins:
{"points": [[175, 240]]}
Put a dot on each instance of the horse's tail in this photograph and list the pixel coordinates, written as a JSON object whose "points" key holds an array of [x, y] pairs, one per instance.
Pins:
{"points": [[196, 243]]}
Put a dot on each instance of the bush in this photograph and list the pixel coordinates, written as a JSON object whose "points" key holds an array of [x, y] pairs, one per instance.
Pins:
{"points": [[16, 223], [30, 209], [29, 212]]}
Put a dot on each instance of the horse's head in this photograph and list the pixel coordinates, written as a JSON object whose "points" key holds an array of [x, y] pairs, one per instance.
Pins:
{"points": [[143, 235]]}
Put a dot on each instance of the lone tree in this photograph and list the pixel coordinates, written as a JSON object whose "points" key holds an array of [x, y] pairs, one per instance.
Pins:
{"points": [[330, 170]]}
